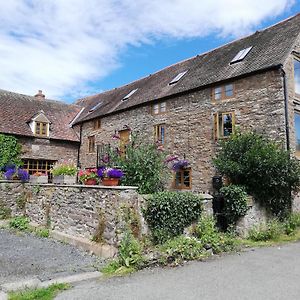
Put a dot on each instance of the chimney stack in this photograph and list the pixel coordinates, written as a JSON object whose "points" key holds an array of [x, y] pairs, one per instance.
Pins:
{"points": [[40, 96]]}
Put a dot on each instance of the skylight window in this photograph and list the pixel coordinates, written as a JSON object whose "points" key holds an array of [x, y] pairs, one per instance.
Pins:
{"points": [[177, 78], [130, 94], [95, 107], [241, 55]]}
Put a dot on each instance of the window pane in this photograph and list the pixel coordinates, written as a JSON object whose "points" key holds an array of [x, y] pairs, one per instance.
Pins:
{"points": [[217, 93], [162, 134], [297, 76], [297, 130], [229, 90], [227, 124], [155, 109], [163, 106], [186, 178]]}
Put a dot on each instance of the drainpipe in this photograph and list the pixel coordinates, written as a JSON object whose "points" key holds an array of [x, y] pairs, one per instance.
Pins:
{"points": [[286, 109], [80, 140]]}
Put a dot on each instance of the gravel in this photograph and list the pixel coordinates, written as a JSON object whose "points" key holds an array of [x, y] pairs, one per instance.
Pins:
{"points": [[24, 256]]}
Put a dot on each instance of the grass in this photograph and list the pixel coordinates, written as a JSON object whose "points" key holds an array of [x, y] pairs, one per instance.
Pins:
{"points": [[39, 294]]}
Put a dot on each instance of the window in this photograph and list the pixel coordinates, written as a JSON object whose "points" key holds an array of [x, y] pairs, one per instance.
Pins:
{"points": [[41, 129], [97, 124], [124, 140], [130, 94], [297, 77], [33, 166], [159, 108], [297, 132], [222, 92], [177, 78], [159, 133], [182, 179], [103, 154], [241, 55], [95, 107], [223, 124], [91, 144]]}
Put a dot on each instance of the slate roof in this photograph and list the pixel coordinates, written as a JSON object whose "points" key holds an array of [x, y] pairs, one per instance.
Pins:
{"points": [[16, 110], [270, 48]]}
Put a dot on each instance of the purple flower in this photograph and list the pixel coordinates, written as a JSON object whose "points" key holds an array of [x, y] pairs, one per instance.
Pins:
{"points": [[105, 158], [116, 137], [100, 172], [171, 158], [23, 175], [9, 174], [180, 164], [114, 173]]}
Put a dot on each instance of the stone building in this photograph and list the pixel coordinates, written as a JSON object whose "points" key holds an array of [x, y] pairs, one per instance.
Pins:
{"points": [[252, 83], [42, 126]]}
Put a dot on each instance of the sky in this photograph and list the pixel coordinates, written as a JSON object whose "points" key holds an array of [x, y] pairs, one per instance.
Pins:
{"points": [[74, 48]]}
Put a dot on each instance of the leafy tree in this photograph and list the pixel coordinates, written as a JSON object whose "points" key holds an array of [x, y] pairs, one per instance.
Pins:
{"points": [[263, 167], [10, 150]]}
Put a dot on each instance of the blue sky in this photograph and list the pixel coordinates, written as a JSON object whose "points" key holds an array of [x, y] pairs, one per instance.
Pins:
{"points": [[74, 48]]}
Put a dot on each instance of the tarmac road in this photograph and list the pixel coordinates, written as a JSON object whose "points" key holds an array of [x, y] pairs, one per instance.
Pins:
{"points": [[260, 274]]}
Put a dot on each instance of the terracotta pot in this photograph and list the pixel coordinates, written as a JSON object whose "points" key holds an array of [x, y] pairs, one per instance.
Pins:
{"points": [[91, 181], [110, 181]]}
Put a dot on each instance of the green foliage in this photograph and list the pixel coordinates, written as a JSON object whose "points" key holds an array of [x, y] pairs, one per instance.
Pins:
{"points": [[39, 294], [130, 251], [10, 150], [20, 223], [264, 232], [180, 249], [42, 232], [5, 212], [64, 168], [264, 168], [168, 213], [235, 202], [292, 223], [143, 166], [207, 232]]}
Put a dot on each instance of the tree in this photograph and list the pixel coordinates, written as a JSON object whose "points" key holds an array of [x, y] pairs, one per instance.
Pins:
{"points": [[263, 167]]}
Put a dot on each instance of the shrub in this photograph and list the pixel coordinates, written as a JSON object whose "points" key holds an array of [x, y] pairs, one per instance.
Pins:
{"points": [[20, 223], [271, 231], [10, 151], [292, 223], [264, 168], [168, 213], [181, 248], [207, 232], [143, 165], [235, 202]]}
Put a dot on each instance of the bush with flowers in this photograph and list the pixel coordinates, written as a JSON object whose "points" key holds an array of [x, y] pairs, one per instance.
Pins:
{"points": [[85, 175], [64, 168]]}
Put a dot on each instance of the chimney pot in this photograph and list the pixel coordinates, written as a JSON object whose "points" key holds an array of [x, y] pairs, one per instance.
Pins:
{"points": [[40, 95]]}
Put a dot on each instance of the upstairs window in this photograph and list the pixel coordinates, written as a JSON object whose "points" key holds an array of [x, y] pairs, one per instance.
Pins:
{"points": [[223, 124], [97, 124], [159, 108], [297, 77], [297, 132], [222, 92], [129, 95], [41, 128], [182, 179], [91, 144], [159, 134], [241, 55], [177, 78]]}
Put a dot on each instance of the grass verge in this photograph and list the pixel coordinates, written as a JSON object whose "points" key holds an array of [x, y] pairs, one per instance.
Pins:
{"points": [[39, 294]]}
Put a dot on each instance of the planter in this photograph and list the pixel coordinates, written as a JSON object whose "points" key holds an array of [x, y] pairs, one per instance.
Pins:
{"points": [[110, 181], [64, 179], [90, 181], [38, 179]]}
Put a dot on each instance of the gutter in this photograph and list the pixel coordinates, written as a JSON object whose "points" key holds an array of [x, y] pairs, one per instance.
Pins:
{"points": [[286, 109]]}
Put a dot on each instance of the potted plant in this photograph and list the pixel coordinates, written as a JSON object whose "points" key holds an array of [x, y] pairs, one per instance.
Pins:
{"points": [[38, 177], [110, 176], [88, 177], [64, 172], [16, 173]]}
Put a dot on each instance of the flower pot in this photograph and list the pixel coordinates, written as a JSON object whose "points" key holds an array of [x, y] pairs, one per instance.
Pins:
{"points": [[38, 179], [110, 181], [64, 179], [90, 181]]}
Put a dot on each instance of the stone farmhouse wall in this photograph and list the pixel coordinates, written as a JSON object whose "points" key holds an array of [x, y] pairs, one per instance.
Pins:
{"points": [[258, 105], [39, 148]]}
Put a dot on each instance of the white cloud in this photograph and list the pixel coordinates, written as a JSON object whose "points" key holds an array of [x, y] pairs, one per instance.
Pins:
{"points": [[61, 45]]}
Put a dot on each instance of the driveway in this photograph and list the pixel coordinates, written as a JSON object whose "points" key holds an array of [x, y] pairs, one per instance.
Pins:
{"points": [[24, 256], [261, 274]]}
